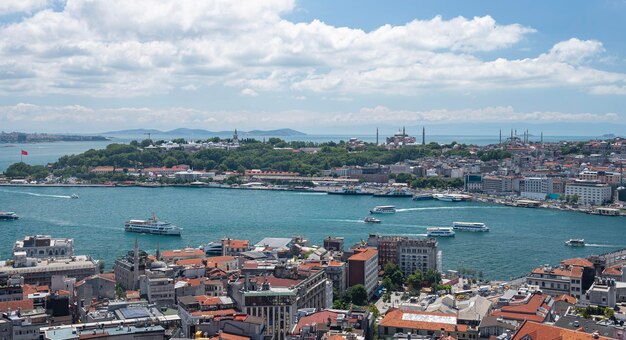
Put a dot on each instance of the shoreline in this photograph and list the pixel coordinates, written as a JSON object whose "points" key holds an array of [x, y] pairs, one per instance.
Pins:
{"points": [[473, 197]]}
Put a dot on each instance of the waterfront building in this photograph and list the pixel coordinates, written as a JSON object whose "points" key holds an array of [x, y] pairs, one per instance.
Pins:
{"points": [[536, 187], [41, 271], [363, 269], [416, 254], [607, 177], [234, 247], [44, 246], [418, 323], [498, 185], [589, 193], [473, 183]]}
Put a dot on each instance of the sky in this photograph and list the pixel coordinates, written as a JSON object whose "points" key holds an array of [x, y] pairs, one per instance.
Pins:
{"points": [[319, 66]]}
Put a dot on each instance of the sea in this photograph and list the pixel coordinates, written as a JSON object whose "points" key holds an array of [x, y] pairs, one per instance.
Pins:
{"points": [[44, 153], [520, 238]]}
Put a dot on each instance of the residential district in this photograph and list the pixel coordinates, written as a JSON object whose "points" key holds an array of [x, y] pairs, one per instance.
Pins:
{"points": [[387, 287]]}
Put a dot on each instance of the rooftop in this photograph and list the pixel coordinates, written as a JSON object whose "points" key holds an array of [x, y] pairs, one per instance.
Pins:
{"points": [[422, 320], [539, 331]]}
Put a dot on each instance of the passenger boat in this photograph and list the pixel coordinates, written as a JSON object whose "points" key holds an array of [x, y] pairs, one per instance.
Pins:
{"points": [[152, 226], [575, 242], [440, 232], [370, 219], [349, 190], [470, 226], [394, 192], [383, 209], [213, 248], [8, 215], [447, 198], [422, 197]]}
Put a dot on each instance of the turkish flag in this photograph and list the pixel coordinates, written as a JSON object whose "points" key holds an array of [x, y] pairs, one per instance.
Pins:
{"points": [[24, 153]]}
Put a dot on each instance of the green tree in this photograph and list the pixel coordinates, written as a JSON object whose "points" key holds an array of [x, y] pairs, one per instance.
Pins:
{"points": [[358, 294], [120, 293], [414, 281], [433, 277], [170, 162], [394, 274]]}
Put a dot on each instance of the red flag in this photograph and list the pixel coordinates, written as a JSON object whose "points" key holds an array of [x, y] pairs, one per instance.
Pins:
{"points": [[24, 153]]}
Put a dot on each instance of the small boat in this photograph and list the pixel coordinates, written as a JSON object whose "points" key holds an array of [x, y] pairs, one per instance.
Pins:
{"points": [[440, 232], [152, 226], [422, 197], [8, 215], [575, 242], [470, 226], [74, 196], [383, 209], [370, 219]]}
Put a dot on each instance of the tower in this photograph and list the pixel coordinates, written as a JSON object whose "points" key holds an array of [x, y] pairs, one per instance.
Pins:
{"points": [[376, 136], [500, 136], [541, 137], [423, 135], [135, 264], [235, 137], [403, 131]]}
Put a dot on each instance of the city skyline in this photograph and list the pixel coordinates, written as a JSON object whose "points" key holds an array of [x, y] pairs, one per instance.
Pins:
{"points": [[71, 66]]}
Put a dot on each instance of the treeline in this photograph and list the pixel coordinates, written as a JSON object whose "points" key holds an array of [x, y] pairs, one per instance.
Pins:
{"points": [[273, 155]]}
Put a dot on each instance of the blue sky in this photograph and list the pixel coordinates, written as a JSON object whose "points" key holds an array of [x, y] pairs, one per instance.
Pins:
{"points": [[457, 67]]}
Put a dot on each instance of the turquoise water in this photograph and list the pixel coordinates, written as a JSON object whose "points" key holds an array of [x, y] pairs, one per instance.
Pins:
{"points": [[520, 239]]}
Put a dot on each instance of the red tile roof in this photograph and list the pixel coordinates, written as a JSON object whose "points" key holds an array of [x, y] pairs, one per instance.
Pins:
{"points": [[363, 254], [318, 318], [394, 318], [215, 312], [614, 270], [540, 331], [567, 298], [228, 336], [536, 309], [577, 262], [188, 252], [5, 306]]}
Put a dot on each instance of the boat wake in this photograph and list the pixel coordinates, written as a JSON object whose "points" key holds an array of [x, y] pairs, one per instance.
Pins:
{"points": [[340, 220], [35, 194], [443, 208], [602, 245]]}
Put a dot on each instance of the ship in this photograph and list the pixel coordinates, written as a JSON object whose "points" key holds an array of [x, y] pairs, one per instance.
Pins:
{"points": [[575, 242], [152, 226], [383, 209], [8, 215], [440, 232], [349, 190], [370, 219], [470, 226], [394, 192], [213, 248], [447, 198], [422, 197]]}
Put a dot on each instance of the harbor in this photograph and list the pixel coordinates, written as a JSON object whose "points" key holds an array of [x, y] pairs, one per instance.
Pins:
{"points": [[518, 240]]}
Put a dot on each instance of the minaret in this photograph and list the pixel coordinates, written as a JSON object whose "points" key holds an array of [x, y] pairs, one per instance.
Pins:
{"points": [[403, 131], [376, 136], [511, 134], [135, 264], [423, 135], [235, 137], [500, 136], [541, 137]]}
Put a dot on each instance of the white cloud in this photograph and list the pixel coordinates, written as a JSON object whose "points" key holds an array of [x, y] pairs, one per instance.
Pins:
{"points": [[21, 6], [609, 89], [249, 92], [120, 48]]}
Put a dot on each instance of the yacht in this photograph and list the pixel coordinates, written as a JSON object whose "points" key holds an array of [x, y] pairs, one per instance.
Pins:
{"points": [[213, 248], [152, 226], [470, 226], [370, 219], [383, 209], [349, 190], [575, 242], [9, 215], [440, 232], [422, 197]]}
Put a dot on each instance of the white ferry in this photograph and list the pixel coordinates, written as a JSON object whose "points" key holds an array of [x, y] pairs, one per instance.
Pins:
{"points": [[470, 226], [575, 242], [213, 248], [152, 226], [383, 209], [440, 232], [447, 198], [349, 190]]}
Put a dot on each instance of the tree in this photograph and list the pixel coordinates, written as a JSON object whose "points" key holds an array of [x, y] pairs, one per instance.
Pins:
{"points": [[120, 293], [433, 277], [101, 265], [414, 281], [358, 294], [393, 272], [169, 162]]}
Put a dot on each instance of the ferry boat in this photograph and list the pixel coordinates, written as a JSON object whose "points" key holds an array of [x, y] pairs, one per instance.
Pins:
{"points": [[447, 198], [422, 197], [152, 226], [440, 232], [8, 215], [383, 209], [349, 190], [394, 192], [370, 219], [213, 248], [575, 242], [470, 226]]}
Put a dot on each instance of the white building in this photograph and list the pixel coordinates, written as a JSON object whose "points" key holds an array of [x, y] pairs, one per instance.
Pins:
{"points": [[589, 192], [44, 246], [536, 187]]}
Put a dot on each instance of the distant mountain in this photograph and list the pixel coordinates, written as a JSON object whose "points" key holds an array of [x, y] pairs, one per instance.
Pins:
{"points": [[200, 132]]}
